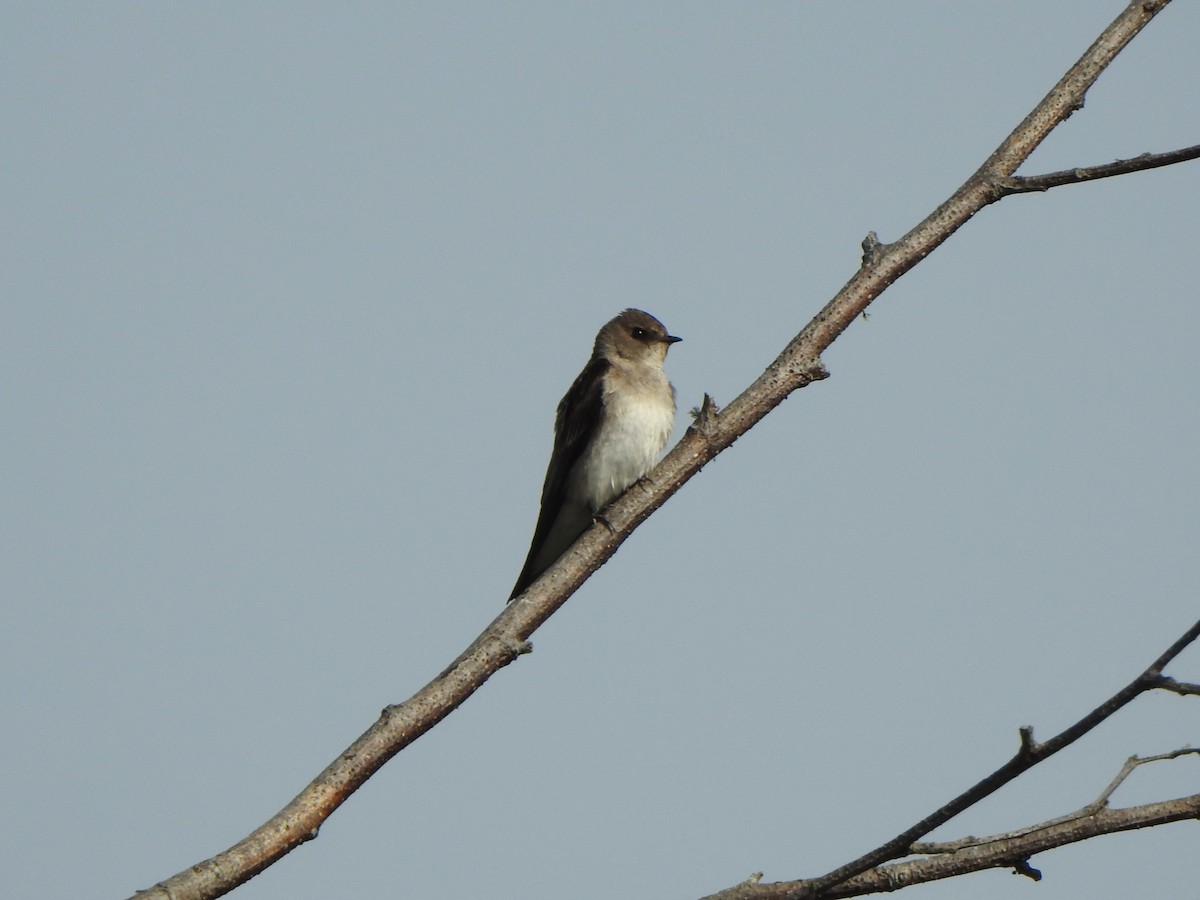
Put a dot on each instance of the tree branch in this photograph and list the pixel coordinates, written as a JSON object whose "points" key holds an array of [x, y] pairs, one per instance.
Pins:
{"points": [[1023, 184], [1014, 852], [1028, 755], [797, 366], [1179, 687], [933, 847]]}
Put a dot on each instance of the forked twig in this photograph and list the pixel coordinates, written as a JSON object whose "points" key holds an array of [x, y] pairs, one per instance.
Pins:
{"points": [[931, 848]]}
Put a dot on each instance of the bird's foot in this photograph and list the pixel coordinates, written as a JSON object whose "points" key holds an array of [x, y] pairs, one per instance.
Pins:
{"points": [[599, 519]]}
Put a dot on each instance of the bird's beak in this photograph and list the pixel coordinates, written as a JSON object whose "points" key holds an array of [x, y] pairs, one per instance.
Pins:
{"points": [[671, 339]]}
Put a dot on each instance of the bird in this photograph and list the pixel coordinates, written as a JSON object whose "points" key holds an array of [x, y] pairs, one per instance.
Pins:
{"points": [[610, 428]]}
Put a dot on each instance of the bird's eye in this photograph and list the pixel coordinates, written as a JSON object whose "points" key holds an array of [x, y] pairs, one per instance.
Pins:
{"points": [[640, 333]]}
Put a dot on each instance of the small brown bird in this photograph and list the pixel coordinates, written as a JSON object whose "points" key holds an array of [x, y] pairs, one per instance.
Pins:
{"points": [[611, 427]]}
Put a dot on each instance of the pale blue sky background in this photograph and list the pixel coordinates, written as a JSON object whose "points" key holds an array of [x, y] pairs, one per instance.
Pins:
{"points": [[290, 292]]}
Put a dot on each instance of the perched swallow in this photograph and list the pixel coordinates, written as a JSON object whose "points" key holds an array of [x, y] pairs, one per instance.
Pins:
{"points": [[611, 426]]}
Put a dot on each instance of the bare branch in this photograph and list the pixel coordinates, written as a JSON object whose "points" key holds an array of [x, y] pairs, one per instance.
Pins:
{"points": [[1023, 184], [1027, 756], [1013, 853], [1179, 687], [929, 848], [1132, 763]]}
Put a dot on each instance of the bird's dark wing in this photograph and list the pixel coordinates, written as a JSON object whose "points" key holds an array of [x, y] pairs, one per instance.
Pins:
{"points": [[579, 414]]}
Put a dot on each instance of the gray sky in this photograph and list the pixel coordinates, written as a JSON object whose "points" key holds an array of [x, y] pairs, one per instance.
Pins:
{"points": [[290, 292]]}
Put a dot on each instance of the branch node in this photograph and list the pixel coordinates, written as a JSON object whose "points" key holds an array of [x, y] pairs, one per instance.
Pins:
{"points": [[1029, 747], [871, 248], [1022, 867], [1183, 688], [1003, 185], [705, 417], [515, 646]]}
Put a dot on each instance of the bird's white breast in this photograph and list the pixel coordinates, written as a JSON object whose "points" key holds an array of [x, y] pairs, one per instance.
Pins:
{"points": [[639, 415]]}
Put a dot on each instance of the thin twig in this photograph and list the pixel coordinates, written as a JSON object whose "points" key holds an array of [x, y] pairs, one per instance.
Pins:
{"points": [[1023, 184], [1132, 763], [931, 848]]}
